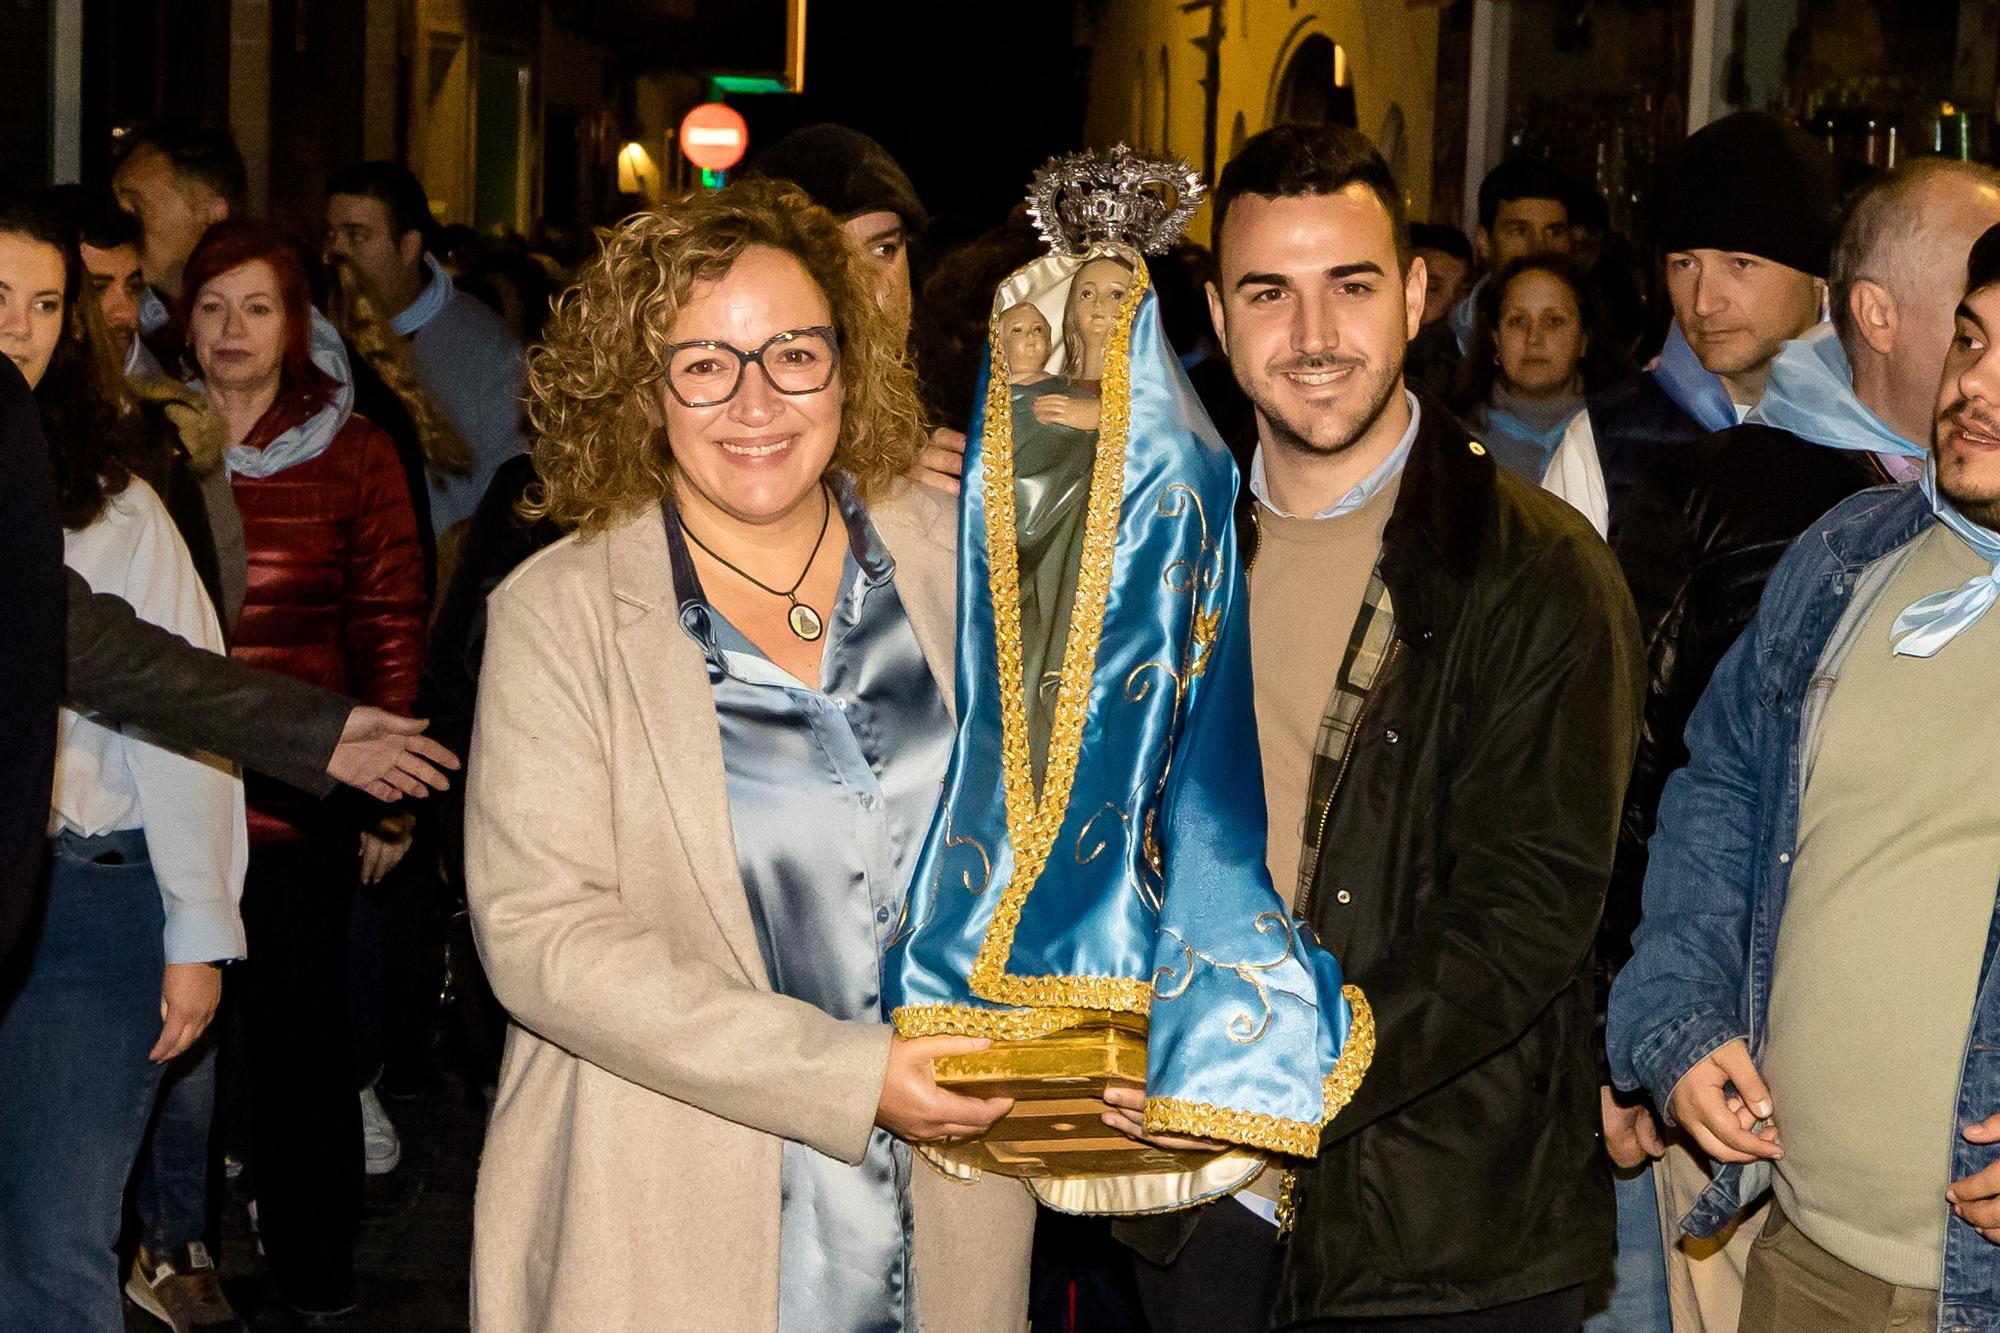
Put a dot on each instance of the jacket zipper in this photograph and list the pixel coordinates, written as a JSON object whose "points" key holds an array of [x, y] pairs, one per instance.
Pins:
{"points": [[1346, 760]]}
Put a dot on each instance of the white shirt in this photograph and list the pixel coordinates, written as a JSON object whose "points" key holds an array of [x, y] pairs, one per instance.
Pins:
{"points": [[1362, 491], [191, 807], [1575, 474]]}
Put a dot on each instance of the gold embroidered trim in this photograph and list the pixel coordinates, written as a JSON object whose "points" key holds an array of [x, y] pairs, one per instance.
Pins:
{"points": [[1251, 1129], [1341, 1085], [1034, 820], [1355, 1057], [962, 1020]]}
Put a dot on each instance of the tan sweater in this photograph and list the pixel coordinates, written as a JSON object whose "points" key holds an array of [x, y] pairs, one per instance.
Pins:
{"points": [[1305, 593], [1884, 930]]}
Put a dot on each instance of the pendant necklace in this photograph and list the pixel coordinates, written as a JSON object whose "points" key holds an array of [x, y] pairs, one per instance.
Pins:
{"points": [[804, 621]]}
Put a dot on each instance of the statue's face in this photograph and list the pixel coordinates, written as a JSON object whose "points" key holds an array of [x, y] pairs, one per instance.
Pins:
{"points": [[1095, 295], [1024, 337]]}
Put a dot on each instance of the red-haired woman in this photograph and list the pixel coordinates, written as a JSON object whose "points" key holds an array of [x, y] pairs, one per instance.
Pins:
{"points": [[335, 596]]}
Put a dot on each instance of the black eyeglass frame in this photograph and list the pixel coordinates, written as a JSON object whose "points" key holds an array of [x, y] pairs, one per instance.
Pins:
{"points": [[745, 359]]}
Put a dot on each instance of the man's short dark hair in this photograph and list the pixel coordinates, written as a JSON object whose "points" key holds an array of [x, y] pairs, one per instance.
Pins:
{"points": [[94, 215], [1287, 161], [396, 188], [207, 157], [1441, 237], [1521, 178], [1982, 266]]}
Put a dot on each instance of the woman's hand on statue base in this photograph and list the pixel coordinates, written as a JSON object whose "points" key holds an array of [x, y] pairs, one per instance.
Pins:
{"points": [[1128, 1108], [914, 1107]]}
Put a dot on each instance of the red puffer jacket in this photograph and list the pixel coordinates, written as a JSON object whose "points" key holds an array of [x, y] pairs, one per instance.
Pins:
{"points": [[335, 589]]}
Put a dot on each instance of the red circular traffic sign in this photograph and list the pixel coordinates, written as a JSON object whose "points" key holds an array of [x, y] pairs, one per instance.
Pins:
{"points": [[714, 137]]}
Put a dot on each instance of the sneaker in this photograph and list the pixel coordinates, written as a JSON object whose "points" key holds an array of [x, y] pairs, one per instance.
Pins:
{"points": [[380, 1148], [181, 1290]]}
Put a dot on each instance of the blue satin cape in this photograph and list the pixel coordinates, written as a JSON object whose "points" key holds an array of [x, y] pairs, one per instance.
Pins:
{"points": [[1136, 882]]}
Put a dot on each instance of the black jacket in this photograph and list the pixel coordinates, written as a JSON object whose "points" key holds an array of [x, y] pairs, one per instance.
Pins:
{"points": [[31, 648], [1467, 851], [132, 671], [1703, 530], [1635, 423]]}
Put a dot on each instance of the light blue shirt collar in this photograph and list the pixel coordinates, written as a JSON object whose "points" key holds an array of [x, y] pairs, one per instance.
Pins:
{"points": [[1364, 490], [430, 301]]}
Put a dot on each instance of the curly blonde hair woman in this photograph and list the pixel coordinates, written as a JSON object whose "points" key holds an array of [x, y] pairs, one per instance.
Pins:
{"points": [[593, 398], [712, 727]]}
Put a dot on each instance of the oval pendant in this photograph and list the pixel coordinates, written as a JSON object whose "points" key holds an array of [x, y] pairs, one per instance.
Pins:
{"points": [[805, 622]]}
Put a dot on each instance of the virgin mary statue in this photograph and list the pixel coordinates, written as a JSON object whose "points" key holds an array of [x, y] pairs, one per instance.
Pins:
{"points": [[1093, 893]]}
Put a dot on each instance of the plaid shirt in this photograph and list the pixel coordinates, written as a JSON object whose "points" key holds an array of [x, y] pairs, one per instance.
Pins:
{"points": [[1367, 649]]}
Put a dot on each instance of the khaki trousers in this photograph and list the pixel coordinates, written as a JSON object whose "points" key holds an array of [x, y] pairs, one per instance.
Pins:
{"points": [[1704, 1277], [1794, 1286]]}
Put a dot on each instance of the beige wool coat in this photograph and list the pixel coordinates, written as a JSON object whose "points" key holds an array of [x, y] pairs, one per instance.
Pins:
{"points": [[630, 1174]]}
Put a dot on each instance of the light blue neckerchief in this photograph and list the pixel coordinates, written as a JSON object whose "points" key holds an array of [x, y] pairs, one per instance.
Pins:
{"points": [[1694, 387], [1811, 394], [429, 301], [308, 439], [152, 312], [1932, 622]]}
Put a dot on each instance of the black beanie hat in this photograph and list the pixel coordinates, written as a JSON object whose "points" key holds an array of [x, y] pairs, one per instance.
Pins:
{"points": [[1756, 185], [846, 173]]}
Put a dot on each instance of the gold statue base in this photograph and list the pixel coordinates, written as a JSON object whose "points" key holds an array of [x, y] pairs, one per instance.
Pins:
{"points": [[1058, 1083]]}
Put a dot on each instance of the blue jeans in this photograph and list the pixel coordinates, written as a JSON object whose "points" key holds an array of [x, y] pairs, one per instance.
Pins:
{"points": [[1638, 1294], [171, 1192], [77, 1087]]}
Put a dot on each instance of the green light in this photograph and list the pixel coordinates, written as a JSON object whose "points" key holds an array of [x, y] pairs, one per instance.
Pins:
{"points": [[737, 83], [713, 180]]}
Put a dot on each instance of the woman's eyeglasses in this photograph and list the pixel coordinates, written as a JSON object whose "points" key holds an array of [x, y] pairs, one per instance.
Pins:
{"points": [[708, 373]]}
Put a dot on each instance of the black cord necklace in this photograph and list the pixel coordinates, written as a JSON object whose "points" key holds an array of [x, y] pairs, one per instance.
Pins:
{"points": [[803, 620]]}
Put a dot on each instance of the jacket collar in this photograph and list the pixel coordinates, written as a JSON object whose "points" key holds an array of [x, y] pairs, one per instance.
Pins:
{"points": [[1430, 548], [1876, 523], [669, 680], [1440, 519]]}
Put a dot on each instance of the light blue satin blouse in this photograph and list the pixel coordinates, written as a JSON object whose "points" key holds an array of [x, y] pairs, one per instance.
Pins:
{"points": [[831, 790]]}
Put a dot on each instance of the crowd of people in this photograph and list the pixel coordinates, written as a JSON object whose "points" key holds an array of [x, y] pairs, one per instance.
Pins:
{"points": [[1606, 681]]}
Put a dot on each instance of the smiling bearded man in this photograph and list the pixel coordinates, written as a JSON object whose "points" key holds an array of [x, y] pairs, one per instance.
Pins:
{"points": [[1446, 686]]}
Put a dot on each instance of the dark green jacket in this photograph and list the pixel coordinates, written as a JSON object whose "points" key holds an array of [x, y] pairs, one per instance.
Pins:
{"points": [[1467, 848]]}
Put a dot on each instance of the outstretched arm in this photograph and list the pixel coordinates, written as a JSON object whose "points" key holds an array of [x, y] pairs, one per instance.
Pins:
{"points": [[124, 669]]}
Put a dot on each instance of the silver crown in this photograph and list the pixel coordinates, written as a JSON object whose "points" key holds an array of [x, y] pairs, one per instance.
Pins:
{"points": [[1083, 199]]}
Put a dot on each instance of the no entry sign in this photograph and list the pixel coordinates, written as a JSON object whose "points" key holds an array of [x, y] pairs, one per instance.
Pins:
{"points": [[714, 136]]}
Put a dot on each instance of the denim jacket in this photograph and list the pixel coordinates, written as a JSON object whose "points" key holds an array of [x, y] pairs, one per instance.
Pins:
{"points": [[1721, 860]]}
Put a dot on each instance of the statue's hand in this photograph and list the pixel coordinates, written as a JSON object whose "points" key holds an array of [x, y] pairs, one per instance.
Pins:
{"points": [[1061, 409], [1127, 1109]]}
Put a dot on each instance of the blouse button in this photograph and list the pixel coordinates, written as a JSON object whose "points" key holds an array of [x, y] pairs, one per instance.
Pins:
{"points": [[882, 915], [1343, 897]]}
